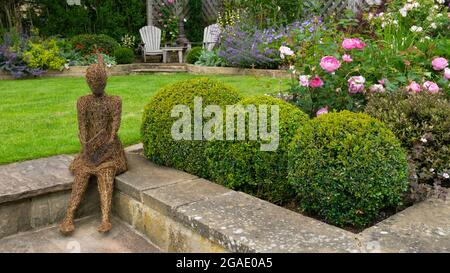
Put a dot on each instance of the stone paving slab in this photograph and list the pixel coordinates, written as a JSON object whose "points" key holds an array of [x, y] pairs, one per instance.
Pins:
{"points": [[35, 177], [424, 227], [86, 239], [167, 199], [144, 175], [248, 224]]}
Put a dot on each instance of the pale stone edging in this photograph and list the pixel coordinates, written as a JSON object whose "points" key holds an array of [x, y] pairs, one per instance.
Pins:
{"points": [[127, 69]]}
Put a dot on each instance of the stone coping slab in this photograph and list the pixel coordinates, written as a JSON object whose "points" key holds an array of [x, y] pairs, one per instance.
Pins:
{"points": [[167, 199], [424, 227], [35, 177], [144, 175], [247, 224]]}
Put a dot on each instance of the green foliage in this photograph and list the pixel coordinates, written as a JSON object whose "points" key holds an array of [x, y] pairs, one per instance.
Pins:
{"points": [[124, 55], [167, 19], [112, 17], [422, 123], [44, 55], [242, 165], [196, 23], [94, 43], [159, 145], [210, 58], [346, 168], [193, 55], [267, 13]]}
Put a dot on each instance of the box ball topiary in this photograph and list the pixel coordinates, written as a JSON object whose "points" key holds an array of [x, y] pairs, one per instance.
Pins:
{"points": [[124, 55], [157, 122], [346, 167], [243, 165], [193, 55]]}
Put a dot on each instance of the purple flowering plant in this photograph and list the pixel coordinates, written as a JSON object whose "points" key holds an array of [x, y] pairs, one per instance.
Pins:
{"points": [[11, 59]]}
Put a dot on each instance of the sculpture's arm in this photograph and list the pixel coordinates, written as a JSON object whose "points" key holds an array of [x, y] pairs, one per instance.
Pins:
{"points": [[116, 117], [81, 109]]}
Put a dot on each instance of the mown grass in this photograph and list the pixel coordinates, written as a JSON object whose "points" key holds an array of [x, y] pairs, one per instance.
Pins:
{"points": [[38, 116]]}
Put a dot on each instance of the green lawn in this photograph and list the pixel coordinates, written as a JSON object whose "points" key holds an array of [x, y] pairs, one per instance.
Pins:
{"points": [[38, 116]]}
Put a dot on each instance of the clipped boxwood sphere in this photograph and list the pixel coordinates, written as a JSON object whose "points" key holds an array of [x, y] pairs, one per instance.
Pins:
{"points": [[193, 55], [242, 165], [124, 55], [159, 145], [346, 167]]}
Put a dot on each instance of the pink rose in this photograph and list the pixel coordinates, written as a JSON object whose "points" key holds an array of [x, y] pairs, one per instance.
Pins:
{"points": [[377, 88], [322, 111], [329, 64], [358, 43], [382, 81], [316, 82], [356, 84], [285, 51], [170, 1], [414, 87], [447, 73], [304, 80], [349, 44], [347, 58], [431, 87], [439, 63]]}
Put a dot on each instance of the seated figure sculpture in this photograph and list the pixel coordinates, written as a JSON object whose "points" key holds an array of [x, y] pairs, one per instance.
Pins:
{"points": [[102, 154]]}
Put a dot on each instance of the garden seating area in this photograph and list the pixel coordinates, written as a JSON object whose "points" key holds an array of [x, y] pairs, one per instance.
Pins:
{"points": [[335, 116]]}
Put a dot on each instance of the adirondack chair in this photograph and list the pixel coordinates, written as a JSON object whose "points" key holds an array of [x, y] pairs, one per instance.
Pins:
{"points": [[211, 36], [151, 37]]}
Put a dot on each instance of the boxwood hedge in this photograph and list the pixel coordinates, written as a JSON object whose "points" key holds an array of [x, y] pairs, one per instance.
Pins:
{"points": [[347, 167], [159, 146], [242, 165]]}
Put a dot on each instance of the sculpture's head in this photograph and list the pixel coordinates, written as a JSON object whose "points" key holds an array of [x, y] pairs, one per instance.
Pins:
{"points": [[96, 78]]}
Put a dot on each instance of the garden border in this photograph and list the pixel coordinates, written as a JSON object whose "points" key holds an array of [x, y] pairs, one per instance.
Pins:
{"points": [[136, 68]]}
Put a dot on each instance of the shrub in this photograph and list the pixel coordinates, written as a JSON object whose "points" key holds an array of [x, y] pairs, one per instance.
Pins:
{"points": [[124, 55], [346, 168], [422, 123], [159, 146], [249, 48], [94, 43], [210, 58], [196, 23], [13, 63], [242, 165], [193, 55], [44, 55], [112, 17]]}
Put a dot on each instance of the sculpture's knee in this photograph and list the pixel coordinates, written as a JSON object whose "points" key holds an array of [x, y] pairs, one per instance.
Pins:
{"points": [[106, 176]]}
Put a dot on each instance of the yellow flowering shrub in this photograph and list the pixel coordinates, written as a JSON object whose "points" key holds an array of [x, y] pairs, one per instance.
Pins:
{"points": [[44, 55]]}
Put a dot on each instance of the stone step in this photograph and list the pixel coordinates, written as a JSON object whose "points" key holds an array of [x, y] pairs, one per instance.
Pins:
{"points": [[121, 239], [158, 70]]}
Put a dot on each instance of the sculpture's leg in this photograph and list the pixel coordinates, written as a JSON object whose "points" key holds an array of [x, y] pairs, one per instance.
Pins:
{"points": [[105, 188], [78, 188]]}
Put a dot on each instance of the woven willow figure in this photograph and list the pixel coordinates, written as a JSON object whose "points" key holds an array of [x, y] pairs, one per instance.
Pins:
{"points": [[102, 153]]}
